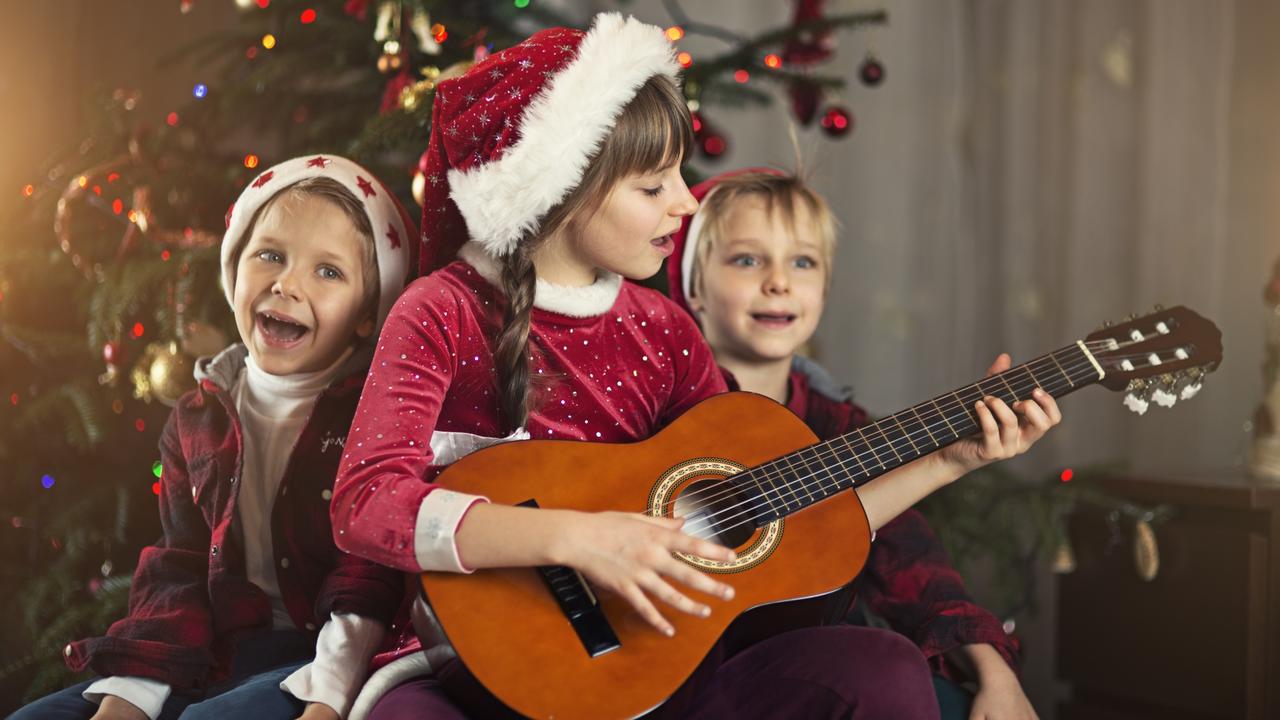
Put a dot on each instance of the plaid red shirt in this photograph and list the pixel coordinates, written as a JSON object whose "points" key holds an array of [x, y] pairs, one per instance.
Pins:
{"points": [[190, 597], [908, 579]]}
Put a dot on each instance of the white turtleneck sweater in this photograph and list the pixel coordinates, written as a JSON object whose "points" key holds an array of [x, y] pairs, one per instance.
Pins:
{"points": [[273, 410]]}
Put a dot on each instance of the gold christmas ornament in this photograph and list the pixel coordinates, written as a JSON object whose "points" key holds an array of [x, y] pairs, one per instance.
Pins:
{"points": [[1146, 551], [163, 373], [416, 94], [419, 187], [1064, 560]]}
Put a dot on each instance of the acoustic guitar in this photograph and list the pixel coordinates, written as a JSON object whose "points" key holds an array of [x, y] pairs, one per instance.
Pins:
{"points": [[747, 473]]}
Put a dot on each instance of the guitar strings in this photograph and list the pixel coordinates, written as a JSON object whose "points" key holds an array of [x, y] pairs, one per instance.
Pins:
{"points": [[778, 491], [950, 401]]}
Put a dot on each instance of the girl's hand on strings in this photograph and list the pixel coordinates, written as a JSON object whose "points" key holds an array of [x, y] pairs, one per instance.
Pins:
{"points": [[1005, 431], [631, 555]]}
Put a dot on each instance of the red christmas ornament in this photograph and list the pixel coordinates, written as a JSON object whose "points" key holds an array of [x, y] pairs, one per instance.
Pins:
{"points": [[712, 143], [805, 97], [837, 121], [871, 72], [808, 47]]}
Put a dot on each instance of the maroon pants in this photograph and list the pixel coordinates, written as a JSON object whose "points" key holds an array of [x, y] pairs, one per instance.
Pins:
{"points": [[840, 671]]}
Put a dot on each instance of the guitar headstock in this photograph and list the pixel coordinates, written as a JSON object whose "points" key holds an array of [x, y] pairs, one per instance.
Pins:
{"points": [[1161, 357]]}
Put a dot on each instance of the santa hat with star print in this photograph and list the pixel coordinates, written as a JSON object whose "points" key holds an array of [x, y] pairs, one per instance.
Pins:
{"points": [[513, 137], [680, 264], [392, 228]]}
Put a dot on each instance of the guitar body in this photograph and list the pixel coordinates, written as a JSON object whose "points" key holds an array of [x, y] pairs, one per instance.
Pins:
{"points": [[518, 641]]}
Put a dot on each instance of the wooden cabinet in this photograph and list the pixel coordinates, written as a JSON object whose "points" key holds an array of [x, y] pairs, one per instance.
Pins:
{"points": [[1200, 640]]}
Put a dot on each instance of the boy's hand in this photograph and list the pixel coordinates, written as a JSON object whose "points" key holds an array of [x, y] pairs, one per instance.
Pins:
{"points": [[1000, 697], [117, 708], [1005, 432], [631, 555], [318, 711]]}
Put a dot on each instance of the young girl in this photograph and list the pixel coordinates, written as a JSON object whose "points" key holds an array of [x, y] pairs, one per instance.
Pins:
{"points": [[245, 608], [559, 159], [753, 267]]}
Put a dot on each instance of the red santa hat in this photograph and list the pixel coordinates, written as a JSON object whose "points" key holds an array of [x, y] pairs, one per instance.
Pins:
{"points": [[513, 137], [392, 228], [680, 264]]}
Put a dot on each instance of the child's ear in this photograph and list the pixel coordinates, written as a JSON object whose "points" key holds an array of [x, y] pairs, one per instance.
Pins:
{"points": [[365, 329]]}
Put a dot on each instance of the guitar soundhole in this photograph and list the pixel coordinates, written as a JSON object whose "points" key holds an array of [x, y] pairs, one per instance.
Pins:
{"points": [[715, 510]]}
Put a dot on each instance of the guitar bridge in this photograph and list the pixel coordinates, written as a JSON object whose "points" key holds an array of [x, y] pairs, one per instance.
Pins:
{"points": [[579, 605]]}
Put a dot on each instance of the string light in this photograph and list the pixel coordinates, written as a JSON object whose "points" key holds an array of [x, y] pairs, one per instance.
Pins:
{"points": [[263, 4], [251, 161], [741, 76], [155, 488], [117, 206], [308, 16], [772, 61], [1066, 475], [200, 90], [13, 399], [674, 33], [140, 425], [172, 119], [685, 59], [268, 41], [47, 481], [251, 52], [157, 469], [29, 190], [164, 255], [522, 4], [82, 181], [137, 330], [112, 177]]}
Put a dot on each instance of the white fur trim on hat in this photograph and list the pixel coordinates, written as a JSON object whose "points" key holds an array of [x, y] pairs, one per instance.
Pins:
{"points": [[560, 131], [586, 301], [691, 251], [392, 237]]}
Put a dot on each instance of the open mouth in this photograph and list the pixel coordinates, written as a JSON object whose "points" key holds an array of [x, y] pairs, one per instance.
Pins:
{"points": [[774, 320], [280, 330], [664, 244]]}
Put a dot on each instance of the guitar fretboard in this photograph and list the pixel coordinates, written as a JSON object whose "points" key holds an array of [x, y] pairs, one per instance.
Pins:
{"points": [[797, 480]]}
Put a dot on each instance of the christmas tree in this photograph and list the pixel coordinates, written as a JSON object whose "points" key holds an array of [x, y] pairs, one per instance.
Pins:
{"points": [[110, 290]]}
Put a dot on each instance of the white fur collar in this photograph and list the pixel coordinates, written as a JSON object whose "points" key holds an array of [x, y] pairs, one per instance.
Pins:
{"points": [[579, 302]]}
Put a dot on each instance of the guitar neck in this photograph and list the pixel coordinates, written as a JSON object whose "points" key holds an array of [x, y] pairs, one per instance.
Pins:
{"points": [[797, 480]]}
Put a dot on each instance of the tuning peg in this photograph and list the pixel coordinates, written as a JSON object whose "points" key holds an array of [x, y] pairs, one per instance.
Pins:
{"points": [[1136, 404], [1163, 397], [1105, 324], [1190, 391], [1130, 317]]}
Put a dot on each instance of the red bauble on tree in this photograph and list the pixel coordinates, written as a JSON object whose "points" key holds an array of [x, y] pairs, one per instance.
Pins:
{"points": [[837, 121], [805, 97], [871, 72], [713, 144], [710, 140], [810, 46]]}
